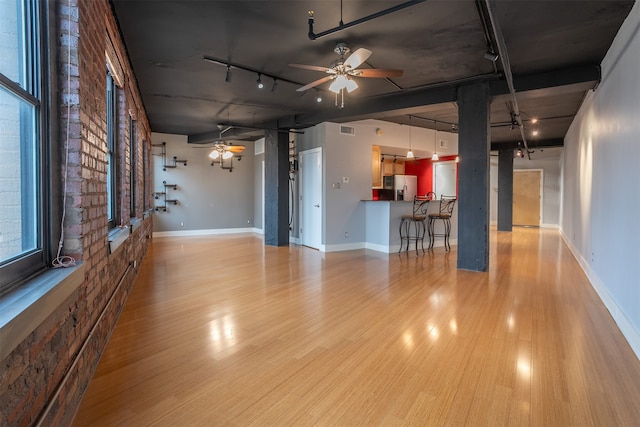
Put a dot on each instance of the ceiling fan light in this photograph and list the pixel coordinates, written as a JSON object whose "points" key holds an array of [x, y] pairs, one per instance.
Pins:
{"points": [[214, 154], [351, 85], [335, 87], [227, 155]]}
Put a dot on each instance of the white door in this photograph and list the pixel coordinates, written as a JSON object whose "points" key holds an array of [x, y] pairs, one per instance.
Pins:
{"points": [[311, 197], [444, 179]]}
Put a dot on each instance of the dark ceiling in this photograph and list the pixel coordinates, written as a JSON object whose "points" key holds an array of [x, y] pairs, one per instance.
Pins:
{"points": [[553, 48]]}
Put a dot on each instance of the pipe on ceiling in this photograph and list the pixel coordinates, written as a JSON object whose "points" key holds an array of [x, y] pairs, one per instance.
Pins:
{"points": [[314, 36], [506, 66]]}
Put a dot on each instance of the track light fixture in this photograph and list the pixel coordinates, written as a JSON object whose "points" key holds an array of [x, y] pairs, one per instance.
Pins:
{"points": [[227, 77], [259, 82], [491, 56], [274, 85], [318, 96]]}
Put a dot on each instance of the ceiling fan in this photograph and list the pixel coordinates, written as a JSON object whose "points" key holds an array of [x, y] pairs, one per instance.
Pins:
{"points": [[223, 151], [343, 70]]}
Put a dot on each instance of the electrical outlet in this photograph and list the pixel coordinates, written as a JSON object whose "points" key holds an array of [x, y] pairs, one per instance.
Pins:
{"points": [[345, 179]]}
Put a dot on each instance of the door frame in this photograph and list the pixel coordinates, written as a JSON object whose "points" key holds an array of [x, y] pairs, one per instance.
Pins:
{"points": [[301, 212]]}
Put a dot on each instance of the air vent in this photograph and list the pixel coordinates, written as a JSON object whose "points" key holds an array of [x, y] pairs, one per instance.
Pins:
{"points": [[444, 144], [259, 146], [347, 130]]}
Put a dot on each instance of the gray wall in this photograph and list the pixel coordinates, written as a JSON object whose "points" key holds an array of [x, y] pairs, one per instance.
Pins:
{"points": [[549, 160], [209, 198], [350, 156]]}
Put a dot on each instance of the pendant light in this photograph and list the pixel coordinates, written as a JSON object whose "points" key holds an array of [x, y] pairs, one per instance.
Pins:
{"points": [[435, 157], [410, 153]]}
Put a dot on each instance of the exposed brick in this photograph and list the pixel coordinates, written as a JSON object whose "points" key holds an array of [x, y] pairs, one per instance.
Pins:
{"points": [[30, 375]]}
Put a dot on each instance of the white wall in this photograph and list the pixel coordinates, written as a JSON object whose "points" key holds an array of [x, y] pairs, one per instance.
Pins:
{"points": [[601, 187], [210, 199]]}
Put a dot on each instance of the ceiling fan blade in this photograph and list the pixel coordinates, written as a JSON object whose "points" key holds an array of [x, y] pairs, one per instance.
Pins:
{"points": [[378, 72], [312, 67], [235, 148], [357, 58], [315, 83]]}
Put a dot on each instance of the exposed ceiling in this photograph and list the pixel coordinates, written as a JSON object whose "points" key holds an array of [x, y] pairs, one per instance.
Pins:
{"points": [[554, 49]]}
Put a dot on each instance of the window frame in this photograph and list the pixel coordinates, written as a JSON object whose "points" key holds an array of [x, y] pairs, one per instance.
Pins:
{"points": [[38, 91], [112, 149], [133, 165]]}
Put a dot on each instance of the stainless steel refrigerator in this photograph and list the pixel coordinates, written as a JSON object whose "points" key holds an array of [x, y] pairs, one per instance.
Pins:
{"points": [[405, 187]]}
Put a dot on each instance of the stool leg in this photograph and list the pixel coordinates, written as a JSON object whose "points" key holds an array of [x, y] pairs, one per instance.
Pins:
{"points": [[447, 230], [400, 231], [431, 237], [423, 228]]}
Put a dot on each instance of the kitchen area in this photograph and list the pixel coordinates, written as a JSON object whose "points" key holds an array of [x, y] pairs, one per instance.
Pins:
{"points": [[395, 180]]}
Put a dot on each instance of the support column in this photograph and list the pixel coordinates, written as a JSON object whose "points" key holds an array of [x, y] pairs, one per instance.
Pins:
{"points": [[276, 191], [473, 176], [505, 190]]}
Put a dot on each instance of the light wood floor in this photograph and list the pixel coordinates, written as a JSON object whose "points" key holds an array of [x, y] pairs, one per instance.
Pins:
{"points": [[225, 331]]}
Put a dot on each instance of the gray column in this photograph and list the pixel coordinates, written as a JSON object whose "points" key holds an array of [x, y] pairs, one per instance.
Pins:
{"points": [[473, 177], [505, 190], [276, 204]]}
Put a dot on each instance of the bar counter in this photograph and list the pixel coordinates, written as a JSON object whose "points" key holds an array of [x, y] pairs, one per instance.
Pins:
{"points": [[382, 222]]}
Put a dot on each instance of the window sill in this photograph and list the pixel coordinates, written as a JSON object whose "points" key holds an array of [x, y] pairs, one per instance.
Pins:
{"points": [[117, 236], [23, 309]]}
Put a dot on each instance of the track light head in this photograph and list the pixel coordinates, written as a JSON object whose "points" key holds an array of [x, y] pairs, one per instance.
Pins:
{"points": [[274, 85], [259, 82], [491, 56], [227, 78]]}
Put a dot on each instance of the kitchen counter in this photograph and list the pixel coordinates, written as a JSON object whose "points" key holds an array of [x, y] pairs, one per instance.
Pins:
{"points": [[382, 223]]}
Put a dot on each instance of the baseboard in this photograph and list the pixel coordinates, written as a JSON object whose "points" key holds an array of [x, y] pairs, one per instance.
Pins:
{"points": [[553, 226], [210, 232], [628, 331], [342, 247]]}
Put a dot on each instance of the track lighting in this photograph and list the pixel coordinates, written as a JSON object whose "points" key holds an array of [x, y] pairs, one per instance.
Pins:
{"points": [[491, 56], [259, 82], [318, 97], [227, 78], [274, 86]]}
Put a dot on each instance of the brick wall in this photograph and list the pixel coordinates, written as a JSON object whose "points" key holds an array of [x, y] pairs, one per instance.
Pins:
{"points": [[31, 374]]}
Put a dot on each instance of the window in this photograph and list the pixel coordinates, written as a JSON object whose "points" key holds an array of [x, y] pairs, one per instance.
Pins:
{"points": [[133, 165], [112, 151], [22, 145]]}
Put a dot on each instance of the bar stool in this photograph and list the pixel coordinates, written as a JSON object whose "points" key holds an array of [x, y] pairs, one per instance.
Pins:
{"points": [[444, 213], [417, 219]]}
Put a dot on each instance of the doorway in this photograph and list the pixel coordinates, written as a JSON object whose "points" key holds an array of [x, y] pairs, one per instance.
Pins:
{"points": [[527, 197], [445, 178], [311, 198]]}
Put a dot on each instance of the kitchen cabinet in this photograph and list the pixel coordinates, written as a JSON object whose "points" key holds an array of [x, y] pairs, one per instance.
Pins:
{"points": [[376, 173], [391, 168]]}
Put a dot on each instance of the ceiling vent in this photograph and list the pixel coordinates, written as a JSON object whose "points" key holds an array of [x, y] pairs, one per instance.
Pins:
{"points": [[347, 130]]}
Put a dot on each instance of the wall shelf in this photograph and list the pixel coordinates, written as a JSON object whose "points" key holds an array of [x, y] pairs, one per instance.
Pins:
{"points": [[162, 197], [175, 161]]}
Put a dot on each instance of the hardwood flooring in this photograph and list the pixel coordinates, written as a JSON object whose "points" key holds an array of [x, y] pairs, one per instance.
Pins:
{"points": [[222, 330]]}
